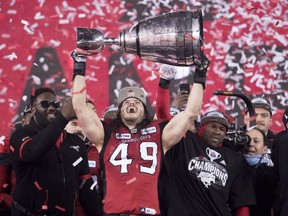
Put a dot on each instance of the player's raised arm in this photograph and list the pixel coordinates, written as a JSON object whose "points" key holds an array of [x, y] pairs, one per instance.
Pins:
{"points": [[181, 122], [90, 121]]}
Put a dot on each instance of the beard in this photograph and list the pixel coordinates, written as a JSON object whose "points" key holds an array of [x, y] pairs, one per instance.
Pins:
{"points": [[41, 118]]}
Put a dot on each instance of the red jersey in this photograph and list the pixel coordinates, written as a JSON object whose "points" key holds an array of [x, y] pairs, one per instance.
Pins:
{"points": [[131, 167], [94, 166]]}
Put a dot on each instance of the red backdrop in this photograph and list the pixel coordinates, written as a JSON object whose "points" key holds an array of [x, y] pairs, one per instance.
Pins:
{"points": [[245, 41]]}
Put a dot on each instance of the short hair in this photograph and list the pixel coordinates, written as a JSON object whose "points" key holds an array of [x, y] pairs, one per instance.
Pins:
{"points": [[38, 92]]}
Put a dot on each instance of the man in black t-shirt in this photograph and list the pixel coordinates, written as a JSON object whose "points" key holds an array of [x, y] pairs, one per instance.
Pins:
{"points": [[206, 178]]}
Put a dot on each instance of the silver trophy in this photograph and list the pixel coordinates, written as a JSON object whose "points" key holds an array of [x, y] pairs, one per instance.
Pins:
{"points": [[173, 38]]}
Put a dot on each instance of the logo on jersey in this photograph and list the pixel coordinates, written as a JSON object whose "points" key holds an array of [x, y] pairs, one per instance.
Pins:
{"points": [[148, 211], [148, 130], [77, 148], [92, 163], [212, 154], [123, 136], [207, 171]]}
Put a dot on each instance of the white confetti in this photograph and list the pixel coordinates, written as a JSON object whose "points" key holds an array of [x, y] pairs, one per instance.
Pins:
{"points": [[11, 56], [24, 22]]}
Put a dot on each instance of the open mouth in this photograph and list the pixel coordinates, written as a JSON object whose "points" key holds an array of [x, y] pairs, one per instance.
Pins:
{"points": [[251, 151], [131, 110], [51, 115]]}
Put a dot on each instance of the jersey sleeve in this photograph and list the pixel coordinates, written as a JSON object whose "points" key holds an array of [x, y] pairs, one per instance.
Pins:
{"points": [[163, 104], [25, 142]]}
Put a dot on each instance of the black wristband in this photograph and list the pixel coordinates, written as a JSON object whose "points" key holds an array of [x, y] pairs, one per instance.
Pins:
{"points": [[200, 77], [164, 83], [79, 69]]}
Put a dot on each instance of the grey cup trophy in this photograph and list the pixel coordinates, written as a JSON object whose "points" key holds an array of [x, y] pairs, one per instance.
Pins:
{"points": [[173, 38]]}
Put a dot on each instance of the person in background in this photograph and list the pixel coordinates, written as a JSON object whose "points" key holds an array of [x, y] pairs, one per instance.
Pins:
{"points": [[280, 159], [132, 145], [74, 127], [110, 113], [263, 113], [7, 175], [51, 165], [179, 103], [263, 171], [206, 178]]}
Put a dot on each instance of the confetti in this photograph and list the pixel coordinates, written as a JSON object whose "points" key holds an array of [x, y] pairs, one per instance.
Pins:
{"points": [[131, 181], [237, 34]]}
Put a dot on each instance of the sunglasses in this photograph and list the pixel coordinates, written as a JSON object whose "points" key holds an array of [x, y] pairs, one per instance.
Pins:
{"points": [[46, 104]]}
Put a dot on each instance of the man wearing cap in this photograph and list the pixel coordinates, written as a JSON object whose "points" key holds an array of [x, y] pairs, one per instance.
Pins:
{"points": [[263, 113], [131, 145], [206, 178]]}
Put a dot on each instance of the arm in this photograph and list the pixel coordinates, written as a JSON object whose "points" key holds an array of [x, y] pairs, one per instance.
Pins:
{"points": [[90, 121], [167, 72], [163, 100], [179, 124], [24, 143]]}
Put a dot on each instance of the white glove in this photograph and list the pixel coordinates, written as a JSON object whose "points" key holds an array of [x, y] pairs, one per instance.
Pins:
{"points": [[168, 72]]}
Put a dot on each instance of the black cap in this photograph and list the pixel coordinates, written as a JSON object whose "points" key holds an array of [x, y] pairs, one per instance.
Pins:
{"points": [[260, 102], [214, 116]]}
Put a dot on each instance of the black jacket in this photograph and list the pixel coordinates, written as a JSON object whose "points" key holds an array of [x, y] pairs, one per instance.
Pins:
{"points": [[47, 176]]}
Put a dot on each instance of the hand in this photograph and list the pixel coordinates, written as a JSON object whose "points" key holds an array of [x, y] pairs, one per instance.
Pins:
{"points": [[204, 63], [67, 109], [180, 100], [168, 72], [78, 56], [79, 62], [201, 71]]}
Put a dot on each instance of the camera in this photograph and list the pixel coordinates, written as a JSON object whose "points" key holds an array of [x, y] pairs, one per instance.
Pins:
{"points": [[236, 138]]}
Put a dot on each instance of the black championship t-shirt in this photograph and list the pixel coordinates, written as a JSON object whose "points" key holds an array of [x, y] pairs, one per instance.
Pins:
{"points": [[206, 181]]}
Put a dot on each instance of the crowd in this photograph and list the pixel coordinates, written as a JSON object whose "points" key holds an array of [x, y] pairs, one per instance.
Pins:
{"points": [[68, 160]]}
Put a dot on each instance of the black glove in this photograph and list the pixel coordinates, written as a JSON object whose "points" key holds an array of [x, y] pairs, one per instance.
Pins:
{"points": [[79, 63], [201, 71]]}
